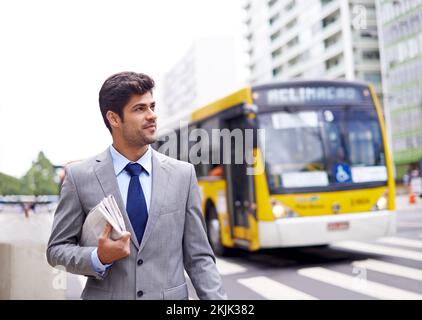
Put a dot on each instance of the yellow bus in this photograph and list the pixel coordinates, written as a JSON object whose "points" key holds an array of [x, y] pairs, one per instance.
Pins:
{"points": [[321, 170]]}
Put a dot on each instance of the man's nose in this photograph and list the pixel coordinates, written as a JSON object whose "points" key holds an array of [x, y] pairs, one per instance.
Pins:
{"points": [[151, 114]]}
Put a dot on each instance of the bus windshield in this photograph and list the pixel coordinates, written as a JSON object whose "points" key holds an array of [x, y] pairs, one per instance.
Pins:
{"points": [[322, 148]]}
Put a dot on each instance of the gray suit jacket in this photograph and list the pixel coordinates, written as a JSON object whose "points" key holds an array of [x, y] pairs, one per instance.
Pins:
{"points": [[175, 237]]}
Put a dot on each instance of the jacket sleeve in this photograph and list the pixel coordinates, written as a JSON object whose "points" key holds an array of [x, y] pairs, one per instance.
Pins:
{"points": [[198, 257], [63, 249]]}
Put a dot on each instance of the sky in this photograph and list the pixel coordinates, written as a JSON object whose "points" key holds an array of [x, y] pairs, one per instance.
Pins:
{"points": [[55, 55]]}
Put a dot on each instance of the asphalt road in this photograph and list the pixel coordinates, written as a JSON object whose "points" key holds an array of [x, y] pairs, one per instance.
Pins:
{"points": [[386, 268]]}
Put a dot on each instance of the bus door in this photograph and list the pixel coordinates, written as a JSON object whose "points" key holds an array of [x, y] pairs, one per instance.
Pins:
{"points": [[239, 184]]}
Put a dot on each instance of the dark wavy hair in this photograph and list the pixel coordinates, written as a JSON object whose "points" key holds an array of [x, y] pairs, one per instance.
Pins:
{"points": [[119, 88]]}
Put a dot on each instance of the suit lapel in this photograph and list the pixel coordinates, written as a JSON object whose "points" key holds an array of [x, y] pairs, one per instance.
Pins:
{"points": [[105, 174], [158, 193]]}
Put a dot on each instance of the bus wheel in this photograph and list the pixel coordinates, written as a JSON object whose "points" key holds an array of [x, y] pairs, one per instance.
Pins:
{"points": [[214, 233]]}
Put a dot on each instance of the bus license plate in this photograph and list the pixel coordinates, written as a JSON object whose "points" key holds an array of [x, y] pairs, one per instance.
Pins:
{"points": [[337, 226]]}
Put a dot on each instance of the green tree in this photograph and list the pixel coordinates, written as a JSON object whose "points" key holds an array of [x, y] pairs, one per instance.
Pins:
{"points": [[9, 185], [39, 180]]}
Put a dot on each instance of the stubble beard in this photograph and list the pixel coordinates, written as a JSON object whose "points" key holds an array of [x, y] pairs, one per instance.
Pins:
{"points": [[140, 140]]}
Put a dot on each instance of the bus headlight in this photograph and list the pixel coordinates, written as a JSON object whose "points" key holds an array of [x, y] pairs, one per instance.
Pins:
{"points": [[281, 211], [382, 203]]}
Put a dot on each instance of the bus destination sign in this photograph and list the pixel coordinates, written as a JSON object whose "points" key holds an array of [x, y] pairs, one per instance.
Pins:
{"points": [[314, 94]]}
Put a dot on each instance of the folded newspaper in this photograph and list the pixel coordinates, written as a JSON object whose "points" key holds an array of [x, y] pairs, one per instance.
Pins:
{"points": [[106, 211]]}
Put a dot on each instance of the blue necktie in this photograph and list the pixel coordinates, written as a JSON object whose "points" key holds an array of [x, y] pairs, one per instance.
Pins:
{"points": [[136, 206]]}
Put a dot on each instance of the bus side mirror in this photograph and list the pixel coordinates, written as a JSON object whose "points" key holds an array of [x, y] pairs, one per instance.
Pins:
{"points": [[251, 123]]}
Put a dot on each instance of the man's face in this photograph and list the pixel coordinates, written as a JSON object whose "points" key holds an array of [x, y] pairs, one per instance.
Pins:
{"points": [[139, 123]]}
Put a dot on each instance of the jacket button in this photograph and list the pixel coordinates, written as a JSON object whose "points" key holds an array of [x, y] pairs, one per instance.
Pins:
{"points": [[140, 293], [140, 262]]}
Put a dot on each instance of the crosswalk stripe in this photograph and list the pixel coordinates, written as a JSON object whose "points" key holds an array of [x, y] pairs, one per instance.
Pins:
{"points": [[226, 268], [377, 249], [361, 286], [401, 242], [273, 290], [389, 268]]}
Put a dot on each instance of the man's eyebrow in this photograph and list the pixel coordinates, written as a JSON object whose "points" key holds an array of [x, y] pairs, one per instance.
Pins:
{"points": [[152, 104]]}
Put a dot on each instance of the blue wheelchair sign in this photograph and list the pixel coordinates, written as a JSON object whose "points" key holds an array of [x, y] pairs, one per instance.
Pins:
{"points": [[342, 173]]}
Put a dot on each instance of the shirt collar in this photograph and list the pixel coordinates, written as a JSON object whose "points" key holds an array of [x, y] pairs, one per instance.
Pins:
{"points": [[120, 161]]}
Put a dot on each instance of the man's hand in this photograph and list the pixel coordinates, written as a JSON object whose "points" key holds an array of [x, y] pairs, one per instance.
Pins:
{"points": [[109, 250]]}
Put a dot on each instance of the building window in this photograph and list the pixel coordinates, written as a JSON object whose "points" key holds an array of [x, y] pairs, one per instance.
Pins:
{"points": [[277, 71], [374, 77], [371, 55], [276, 53], [294, 61], [369, 33], [333, 40], [272, 2], [330, 19], [291, 24], [290, 5], [248, 21], [333, 62], [275, 35], [293, 42], [250, 52], [274, 18]]}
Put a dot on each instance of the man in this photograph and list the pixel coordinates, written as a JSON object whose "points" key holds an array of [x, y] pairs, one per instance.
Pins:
{"points": [[159, 200]]}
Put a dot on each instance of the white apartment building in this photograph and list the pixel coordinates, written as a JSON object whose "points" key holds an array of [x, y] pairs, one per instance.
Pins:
{"points": [[400, 29], [205, 73], [312, 39]]}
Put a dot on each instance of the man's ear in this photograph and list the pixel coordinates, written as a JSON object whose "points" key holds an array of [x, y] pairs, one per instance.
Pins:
{"points": [[113, 119]]}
